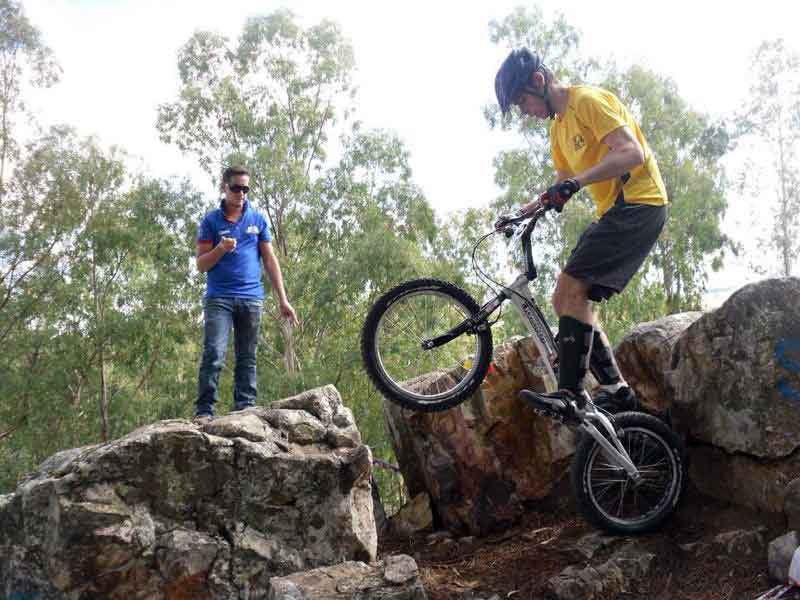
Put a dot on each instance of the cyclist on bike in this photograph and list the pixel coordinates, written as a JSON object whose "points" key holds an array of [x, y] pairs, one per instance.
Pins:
{"points": [[595, 143]]}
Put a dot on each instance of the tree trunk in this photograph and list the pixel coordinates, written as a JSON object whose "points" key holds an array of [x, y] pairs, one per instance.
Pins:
{"points": [[667, 274], [75, 391], [290, 362], [4, 127], [784, 240], [102, 399]]}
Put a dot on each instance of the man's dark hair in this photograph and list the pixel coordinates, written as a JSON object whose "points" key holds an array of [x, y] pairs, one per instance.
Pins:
{"points": [[232, 172]]}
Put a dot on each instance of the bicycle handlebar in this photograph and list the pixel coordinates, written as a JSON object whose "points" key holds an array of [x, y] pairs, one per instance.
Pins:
{"points": [[508, 224], [503, 221]]}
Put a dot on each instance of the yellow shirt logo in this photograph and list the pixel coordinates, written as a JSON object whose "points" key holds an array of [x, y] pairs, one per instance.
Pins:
{"points": [[579, 142]]}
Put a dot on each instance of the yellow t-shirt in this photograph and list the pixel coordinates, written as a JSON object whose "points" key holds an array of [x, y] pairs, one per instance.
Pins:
{"points": [[576, 141]]}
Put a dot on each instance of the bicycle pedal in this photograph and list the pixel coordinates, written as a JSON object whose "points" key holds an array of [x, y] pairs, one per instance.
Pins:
{"points": [[543, 412]]}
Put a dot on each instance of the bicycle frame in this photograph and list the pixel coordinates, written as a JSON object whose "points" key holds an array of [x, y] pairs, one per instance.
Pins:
{"points": [[519, 294]]}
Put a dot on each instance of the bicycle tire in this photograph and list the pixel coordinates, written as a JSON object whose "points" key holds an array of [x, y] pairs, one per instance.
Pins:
{"points": [[393, 390], [587, 452]]}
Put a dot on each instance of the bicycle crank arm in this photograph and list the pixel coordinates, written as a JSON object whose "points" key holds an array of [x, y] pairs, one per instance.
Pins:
{"points": [[465, 326]]}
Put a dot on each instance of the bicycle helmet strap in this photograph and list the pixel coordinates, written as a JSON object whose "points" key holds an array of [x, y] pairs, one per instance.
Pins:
{"points": [[529, 89]]}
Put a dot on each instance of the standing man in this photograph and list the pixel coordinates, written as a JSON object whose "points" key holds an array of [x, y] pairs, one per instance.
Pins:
{"points": [[595, 143], [230, 241]]}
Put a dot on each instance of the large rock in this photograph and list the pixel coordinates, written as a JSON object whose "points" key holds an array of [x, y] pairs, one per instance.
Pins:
{"points": [[176, 510], [394, 578], [482, 459], [780, 553], [413, 517], [735, 390], [791, 504], [740, 478], [618, 575], [644, 355]]}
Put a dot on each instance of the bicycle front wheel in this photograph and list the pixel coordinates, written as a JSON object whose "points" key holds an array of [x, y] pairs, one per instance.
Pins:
{"points": [[605, 494], [392, 346]]}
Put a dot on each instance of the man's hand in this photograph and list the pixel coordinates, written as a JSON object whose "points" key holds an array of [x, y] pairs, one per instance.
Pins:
{"points": [[228, 244], [558, 194], [530, 207], [288, 312]]}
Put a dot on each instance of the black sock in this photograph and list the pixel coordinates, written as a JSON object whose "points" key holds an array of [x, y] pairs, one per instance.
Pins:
{"points": [[574, 349], [602, 363]]}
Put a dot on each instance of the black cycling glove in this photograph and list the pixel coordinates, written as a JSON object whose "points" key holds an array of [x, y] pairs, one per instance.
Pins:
{"points": [[558, 194]]}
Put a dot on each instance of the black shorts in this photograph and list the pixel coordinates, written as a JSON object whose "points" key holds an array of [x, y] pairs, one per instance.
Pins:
{"points": [[611, 250]]}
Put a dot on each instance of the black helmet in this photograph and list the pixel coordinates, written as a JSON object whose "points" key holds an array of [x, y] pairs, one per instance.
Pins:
{"points": [[514, 74]]}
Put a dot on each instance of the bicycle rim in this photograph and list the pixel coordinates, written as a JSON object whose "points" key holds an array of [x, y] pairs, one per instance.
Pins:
{"points": [[613, 493], [425, 375]]}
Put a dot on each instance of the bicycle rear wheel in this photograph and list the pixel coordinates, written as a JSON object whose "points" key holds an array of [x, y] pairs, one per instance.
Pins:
{"points": [[605, 494], [402, 370]]}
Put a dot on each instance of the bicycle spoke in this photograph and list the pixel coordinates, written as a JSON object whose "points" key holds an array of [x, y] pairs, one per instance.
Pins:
{"points": [[614, 493], [605, 489], [406, 323], [409, 327], [622, 498]]}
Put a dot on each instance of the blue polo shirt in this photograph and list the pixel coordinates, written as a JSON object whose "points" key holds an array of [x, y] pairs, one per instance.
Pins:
{"points": [[238, 273]]}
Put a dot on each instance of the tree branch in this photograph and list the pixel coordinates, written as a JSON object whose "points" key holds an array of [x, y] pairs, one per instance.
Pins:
{"points": [[19, 424]]}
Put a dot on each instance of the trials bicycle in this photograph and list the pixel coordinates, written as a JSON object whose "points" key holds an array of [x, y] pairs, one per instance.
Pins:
{"points": [[427, 345]]}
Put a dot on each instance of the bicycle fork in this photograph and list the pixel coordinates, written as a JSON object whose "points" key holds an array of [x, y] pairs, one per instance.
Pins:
{"points": [[613, 450], [581, 418]]}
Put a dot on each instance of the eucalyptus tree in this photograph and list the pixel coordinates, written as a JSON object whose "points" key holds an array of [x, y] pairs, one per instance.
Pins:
{"points": [[770, 119], [23, 57], [347, 218], [688, 147], [525, 171], [93, 299], [341, 202], [269, 100]]}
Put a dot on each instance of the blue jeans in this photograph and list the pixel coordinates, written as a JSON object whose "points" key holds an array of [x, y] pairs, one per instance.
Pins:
{"points": [[220, 314]]}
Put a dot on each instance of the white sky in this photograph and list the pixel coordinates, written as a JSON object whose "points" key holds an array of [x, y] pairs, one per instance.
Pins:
{"points": [[424, 70]]}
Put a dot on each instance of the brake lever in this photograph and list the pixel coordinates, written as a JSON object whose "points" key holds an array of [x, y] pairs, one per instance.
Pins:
{"points": [[503, 221]]}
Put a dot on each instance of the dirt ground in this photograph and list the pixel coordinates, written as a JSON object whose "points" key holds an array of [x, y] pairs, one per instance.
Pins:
{"points": [[516, 564]]}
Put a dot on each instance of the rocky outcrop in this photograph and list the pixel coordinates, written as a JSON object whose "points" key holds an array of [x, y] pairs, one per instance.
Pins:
{"points": [[644, 355], [735, 391], [618, 575], [780, 553], [394, 578], [177, 510], [480, 461], [729, 379], [736, 372], [413, 517]]}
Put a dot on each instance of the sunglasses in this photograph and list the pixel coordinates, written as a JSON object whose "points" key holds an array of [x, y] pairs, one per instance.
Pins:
{"points": [[236, 188]]}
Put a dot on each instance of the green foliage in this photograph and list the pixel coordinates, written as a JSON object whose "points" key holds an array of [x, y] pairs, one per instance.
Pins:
{"points": [[94, 298], [23, 56]]}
